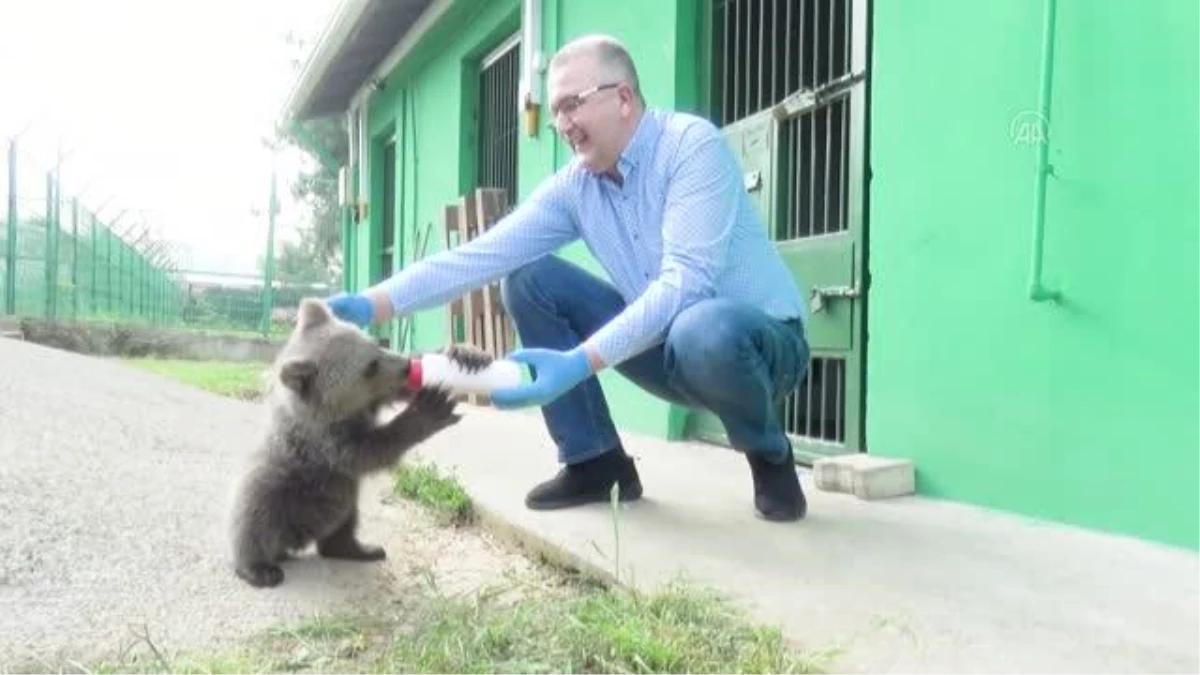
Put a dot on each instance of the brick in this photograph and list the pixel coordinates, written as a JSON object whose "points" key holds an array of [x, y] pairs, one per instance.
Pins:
{"points": [[865, 476]]}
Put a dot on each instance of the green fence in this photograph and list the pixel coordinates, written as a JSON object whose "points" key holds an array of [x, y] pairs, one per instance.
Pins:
{"points": [[60, 261], [233, 303]]}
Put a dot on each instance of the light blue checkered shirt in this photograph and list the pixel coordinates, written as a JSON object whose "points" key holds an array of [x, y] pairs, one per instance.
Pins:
{"points": [[678, 229]]}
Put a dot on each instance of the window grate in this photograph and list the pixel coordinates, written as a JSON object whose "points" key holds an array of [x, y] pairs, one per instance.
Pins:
{"points": [[815, 150], [766, 49], [817, 409], [788, 64], [388, 216], [498, 121]]}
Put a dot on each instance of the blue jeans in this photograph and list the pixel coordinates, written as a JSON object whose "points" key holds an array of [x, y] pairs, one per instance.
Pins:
{"points": [[726, 357]]}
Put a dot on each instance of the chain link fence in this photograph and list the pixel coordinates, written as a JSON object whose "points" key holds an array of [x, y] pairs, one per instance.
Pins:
{"points": [[61, 261]]}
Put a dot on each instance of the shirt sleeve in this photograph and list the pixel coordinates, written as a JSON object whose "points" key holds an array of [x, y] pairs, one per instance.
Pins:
{"points": [[698, 218], [541, 224]]}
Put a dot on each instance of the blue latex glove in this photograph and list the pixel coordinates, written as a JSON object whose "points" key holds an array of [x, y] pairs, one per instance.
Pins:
{"points": [[353, 307], [555, 374]]}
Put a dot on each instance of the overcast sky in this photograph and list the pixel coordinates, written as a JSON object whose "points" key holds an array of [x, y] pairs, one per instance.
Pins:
{"points": [[163, 104]]}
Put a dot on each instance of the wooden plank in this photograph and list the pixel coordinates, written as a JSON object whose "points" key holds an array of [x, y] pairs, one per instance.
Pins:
{"points": [[455, 315], [489, 204], [475, 333]]}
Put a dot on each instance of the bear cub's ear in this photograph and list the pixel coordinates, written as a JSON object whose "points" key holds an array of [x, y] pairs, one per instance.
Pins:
{"points": [[312, 312], [298, 375]]}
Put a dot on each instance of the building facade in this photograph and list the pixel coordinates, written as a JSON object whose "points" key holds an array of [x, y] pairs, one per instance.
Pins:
{"points": [[998, 241]]}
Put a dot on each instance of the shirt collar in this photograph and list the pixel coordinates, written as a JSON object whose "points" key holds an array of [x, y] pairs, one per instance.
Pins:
{"points": [[639, 144]]}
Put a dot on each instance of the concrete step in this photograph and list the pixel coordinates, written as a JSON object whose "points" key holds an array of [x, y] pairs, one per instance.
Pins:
{"points": [[865, 476]]}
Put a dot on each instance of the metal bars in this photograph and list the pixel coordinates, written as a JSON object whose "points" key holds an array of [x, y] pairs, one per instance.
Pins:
{"points": [[499, 79], [792, 60], [387, 243], [817, 410], [767, 49], [815, 162]]}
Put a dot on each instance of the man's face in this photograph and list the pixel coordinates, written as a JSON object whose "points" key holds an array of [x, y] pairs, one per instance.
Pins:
{"points": [[591, 110]]}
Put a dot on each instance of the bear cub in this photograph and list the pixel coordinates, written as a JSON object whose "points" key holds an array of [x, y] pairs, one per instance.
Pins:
{"points": [[328, 385]]}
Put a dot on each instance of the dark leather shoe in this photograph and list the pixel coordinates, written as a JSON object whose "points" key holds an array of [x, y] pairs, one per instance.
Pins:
{"points": [[777, 492], [588, 482]]}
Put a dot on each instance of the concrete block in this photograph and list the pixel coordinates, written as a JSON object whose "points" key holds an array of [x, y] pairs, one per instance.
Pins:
{"points": [[865, 476]]}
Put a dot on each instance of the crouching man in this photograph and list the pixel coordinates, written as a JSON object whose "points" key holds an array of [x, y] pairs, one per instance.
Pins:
{"points": [[701, 310]]}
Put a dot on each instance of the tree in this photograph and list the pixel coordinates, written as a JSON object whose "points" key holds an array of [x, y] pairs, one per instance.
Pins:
{"points": [[317, 256]]}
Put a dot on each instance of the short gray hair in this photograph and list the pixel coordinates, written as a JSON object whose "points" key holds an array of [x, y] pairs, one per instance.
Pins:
{"points": [[612, 55]]}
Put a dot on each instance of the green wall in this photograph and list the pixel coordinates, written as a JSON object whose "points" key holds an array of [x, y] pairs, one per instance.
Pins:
{"points": [[1086, 411], [429, 97]]}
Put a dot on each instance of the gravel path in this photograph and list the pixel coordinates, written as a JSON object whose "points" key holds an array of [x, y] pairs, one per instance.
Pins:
{"points": [[113, 489]]}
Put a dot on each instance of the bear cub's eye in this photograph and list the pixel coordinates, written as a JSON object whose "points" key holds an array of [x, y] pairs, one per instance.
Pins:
{"points": [[372, 368]]}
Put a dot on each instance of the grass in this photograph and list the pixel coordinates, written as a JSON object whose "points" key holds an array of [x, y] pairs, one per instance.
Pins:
{"points": [[679, 629], [242, 380], [444, 497], [571, 625]]}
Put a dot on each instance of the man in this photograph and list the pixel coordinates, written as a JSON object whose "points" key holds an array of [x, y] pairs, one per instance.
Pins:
{"points": [[702, 311]]}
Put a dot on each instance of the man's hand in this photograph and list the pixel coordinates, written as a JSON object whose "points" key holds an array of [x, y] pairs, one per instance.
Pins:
{"points": [[353, 307], [555, 374], [361, 309]]}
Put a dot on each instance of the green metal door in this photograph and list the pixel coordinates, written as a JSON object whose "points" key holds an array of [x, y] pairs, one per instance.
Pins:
{"points": [[787, 86]]}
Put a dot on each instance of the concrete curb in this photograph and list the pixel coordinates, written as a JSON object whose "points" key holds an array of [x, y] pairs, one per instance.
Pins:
{"points": [[542, 547]]}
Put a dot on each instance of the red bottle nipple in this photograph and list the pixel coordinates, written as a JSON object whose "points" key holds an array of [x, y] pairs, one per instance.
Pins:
{"points": [[414, 374]]}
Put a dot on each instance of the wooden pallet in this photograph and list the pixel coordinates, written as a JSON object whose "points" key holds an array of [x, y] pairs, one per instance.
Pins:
{"points": [[478, 318]]}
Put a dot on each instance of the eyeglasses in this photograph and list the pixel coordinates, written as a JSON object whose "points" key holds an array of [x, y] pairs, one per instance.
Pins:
{"points": [[569, 104]]}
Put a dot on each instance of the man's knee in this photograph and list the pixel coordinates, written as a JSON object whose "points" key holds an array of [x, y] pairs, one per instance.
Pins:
{"points": [[705, 338]]}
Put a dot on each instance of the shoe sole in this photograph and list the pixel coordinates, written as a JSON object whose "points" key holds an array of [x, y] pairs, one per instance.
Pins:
{"points": [[782, 517], [634, 493]]}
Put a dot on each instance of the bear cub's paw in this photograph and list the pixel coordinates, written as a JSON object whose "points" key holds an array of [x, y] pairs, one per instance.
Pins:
{"points": [[470, 357], [434, 406], [261, 575], [356, 551]]}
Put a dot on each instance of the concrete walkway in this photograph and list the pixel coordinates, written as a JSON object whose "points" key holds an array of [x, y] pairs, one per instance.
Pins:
{"points": [[905, 585], [113, 487]]}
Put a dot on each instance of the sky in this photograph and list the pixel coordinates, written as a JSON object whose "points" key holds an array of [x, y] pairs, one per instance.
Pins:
{"points": [[161, 106]]}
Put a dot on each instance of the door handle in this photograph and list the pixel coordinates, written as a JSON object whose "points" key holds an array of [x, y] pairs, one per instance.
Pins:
{"points": [[818, 295], [752, 180]]}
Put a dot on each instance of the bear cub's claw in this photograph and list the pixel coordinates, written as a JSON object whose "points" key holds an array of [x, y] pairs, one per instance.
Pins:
{"points": [[434, 405], [470, 357]]}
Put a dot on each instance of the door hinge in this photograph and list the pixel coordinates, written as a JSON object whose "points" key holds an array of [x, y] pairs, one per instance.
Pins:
{"points": [[816, 298], [806, 100]]}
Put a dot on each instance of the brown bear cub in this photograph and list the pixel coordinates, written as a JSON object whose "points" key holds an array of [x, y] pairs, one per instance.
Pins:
{"points": [[328, 385]]}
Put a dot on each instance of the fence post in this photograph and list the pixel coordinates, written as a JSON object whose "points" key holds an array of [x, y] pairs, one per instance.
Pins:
{"points": [[75, 257], [48, 253], [95, 256], [268, 298], [10, 254], [108, 270]]}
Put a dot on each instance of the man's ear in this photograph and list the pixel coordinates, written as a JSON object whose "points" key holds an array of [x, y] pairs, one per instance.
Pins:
{"points": [[298, 375]]}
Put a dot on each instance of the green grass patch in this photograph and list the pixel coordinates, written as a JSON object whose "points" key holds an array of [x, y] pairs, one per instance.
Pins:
{"points": [[243, 380], [445, 497], [680, 629]]}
